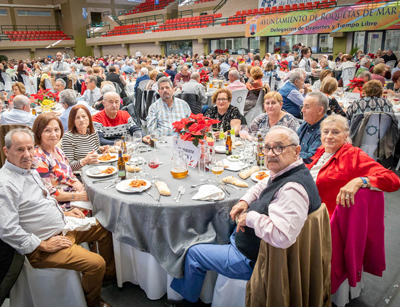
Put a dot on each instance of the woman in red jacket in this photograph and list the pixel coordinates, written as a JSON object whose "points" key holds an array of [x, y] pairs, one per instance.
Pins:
{"points": [[340, 170]]}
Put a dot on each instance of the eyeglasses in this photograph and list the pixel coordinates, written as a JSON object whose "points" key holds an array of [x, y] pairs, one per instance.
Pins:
{"points": [[222, 99], [277, 150]]}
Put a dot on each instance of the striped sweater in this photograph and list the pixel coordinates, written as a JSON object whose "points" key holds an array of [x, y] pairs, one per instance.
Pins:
{"points": [[77, 146]]}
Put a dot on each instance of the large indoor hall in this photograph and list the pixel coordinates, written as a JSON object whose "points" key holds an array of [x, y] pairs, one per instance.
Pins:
{"points": [[209, 153]]}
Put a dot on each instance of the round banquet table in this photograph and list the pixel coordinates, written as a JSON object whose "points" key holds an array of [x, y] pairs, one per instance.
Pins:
{"points": [[166, 229]]}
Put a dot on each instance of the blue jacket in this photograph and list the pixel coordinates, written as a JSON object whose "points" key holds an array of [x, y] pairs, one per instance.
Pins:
{"points": [[288, 105], [140, 79]]}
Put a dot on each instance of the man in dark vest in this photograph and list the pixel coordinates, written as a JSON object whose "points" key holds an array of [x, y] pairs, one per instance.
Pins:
{"points": [[115, 77], [274, 210]]}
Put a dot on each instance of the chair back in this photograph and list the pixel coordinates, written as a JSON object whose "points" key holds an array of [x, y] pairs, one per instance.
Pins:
{"points": [[151, 97], [48, 84], [132, 112], [117, 88], [239, 99], [374, 131], [257, 109], [28, 85], [348, 74], [7, 81], [391, 64], [142, 84], [193, 100], [4, 129]]}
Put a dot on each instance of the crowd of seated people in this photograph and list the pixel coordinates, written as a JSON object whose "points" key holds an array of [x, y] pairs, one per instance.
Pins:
{"points": [[305, 128]]}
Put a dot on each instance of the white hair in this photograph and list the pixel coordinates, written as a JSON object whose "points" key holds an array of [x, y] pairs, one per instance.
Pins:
{"points": [[21, 101], [9, 135], [292, 135], [144, 71]]}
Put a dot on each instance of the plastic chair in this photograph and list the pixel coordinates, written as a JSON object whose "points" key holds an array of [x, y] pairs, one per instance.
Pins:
{"points": [[239, 99], [348, 74], [229, 292], [391, 64], [257, 109], [47, 287]]}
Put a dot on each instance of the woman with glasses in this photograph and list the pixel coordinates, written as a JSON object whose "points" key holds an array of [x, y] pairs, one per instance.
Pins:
{"points": [[274, 115], [228, 115]]}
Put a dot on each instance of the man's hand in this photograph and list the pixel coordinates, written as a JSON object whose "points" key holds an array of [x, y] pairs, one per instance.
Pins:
{"points": [[104, 148], [346, 194], [75, 213], [238, 209], [241, 222], [146, 139], [54, 244]]}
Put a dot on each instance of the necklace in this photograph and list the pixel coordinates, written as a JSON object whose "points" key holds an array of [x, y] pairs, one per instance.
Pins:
{"points": [[325, 157]]}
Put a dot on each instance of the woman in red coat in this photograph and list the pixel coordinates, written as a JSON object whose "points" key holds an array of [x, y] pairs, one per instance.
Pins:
{"points": [[340, 170]]}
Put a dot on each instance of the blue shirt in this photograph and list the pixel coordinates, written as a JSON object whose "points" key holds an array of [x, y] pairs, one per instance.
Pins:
{"points": [[65, 115], [224, 68], [128, 69], [310, 139], [17, 117]]}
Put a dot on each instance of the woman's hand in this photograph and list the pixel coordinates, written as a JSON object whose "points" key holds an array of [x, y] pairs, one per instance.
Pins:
{"points": [[91, 158], [390, 92], [75, 213], [238, 209], [80, 195], [104, 148], [346, 194]]}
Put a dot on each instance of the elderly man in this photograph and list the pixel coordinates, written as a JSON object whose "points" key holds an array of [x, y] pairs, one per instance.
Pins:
{"points": [[92, 94], [232, 63], [292, 97], [389, 56], [224, 66], [180, 66], [20, 114], [314, 110], [114, 77], [31, 221], [112, 123], [234, 79], [194, 87], [274, 210], [60, 69], [250, 57], [388, 74], [365, 65], [68, 100], [167, 109], [144, 76], [60, 85], [183, 76]]}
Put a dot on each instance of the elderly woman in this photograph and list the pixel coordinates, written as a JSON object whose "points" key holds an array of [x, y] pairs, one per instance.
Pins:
{"points": [[325, 73], [394, 87], [274, 115], [81, 142], [153, 75], [328, 87], [379, 73], [254, 85], [372, 100], [52, 164], [216, 73], [340, 170], [228, 115]]}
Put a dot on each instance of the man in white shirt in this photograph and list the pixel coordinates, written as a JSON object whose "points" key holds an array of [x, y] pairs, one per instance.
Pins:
{"points": [[60, 69], [20, 114], [224, 66], [138, 54], [92, 94]]}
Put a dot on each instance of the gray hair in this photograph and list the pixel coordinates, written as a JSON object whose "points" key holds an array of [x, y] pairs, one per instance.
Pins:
{"points": [[232, 60], [62, 82], [296, 75], [366, 73], [9, 135], [321, 99], [235, 74], [68, 96], [292, 135], [302, 70], [110, 93], [91, 78], [195, 76], [341, 120], [378, 61], [221, 60], [364, 61], [108, 88], [164, 80], [21, 101], [144, 71]]}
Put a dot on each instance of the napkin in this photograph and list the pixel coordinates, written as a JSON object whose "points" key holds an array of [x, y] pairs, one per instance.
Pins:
{"points": [[84, 204], [78, 224], [209, 192]]}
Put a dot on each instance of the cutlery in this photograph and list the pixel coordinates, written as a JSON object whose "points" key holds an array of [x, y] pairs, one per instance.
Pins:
{"points": [[179, 191], [159, 194], [225, 191], [182, 192], [151, 196], [104, 180], [196, 185], [112, 185], [230, 185]]}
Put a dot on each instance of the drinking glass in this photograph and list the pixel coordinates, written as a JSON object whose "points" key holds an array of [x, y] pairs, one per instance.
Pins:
{"points": [[161, 137], [153, 162], [217, 167], [244, 133], [153, 139], [117, 144]]}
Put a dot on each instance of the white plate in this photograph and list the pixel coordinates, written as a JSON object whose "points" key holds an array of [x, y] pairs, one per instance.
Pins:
{"points": [[101, 168], [220, 149], [233, 159], [112, 160], [124, 187], [233, 166], [253, 176]]}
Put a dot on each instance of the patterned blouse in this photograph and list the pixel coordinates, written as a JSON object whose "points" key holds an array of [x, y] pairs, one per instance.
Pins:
{"points": [[52, 171], [261, 123], [369, 104], [225, 120], [334, 107]]}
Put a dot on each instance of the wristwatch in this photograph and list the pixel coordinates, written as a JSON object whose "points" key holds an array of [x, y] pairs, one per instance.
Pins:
{"points": [[365, 182]]}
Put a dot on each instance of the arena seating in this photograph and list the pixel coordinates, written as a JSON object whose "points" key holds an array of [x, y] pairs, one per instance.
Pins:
{"points": [[148, 6], [22, 36], [188, 23], [137, 28]]}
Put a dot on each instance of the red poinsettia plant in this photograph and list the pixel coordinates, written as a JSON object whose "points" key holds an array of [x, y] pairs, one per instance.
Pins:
{"points": [[220, 51], [194, 128], [277, 50], [43, 95], [204, 76], [284, 65], [371, 55], [356, 85]]}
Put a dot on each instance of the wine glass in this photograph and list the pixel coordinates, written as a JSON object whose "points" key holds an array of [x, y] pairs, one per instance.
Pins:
{"points": [[244, 133], [217, 167], [153, 162], [117, 144], [153, 139]]}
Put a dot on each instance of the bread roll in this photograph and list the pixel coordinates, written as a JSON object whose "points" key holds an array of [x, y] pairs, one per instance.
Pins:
{"points": [[163, 188], [132, 169], [112, 149], [235, 181], [247, 173]]}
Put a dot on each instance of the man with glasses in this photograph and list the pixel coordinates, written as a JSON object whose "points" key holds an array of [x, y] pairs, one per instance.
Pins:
{"points": [[274, 210], [314, 112]]}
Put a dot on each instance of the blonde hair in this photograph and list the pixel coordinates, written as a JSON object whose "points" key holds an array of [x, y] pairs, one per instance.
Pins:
{"points": [[276, 95], [379, 69], [256, 73], [329, 85], [153, 74]]}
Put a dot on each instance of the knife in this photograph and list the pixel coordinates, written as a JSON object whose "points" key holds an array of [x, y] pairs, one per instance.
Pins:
{"points": [[151, 196], [180, 195], [225, 191]]}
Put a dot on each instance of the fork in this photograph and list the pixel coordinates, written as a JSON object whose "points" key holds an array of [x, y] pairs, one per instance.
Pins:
{"points": [[179, 191], [112, 185]]}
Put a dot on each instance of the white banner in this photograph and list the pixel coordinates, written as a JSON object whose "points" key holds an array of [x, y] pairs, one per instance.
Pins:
{"points": [[271, 3]]}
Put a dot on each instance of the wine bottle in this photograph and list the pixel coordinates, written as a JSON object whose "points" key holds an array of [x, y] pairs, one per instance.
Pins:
{"points": [[260, 155], [228, 144], [121, 166]]}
